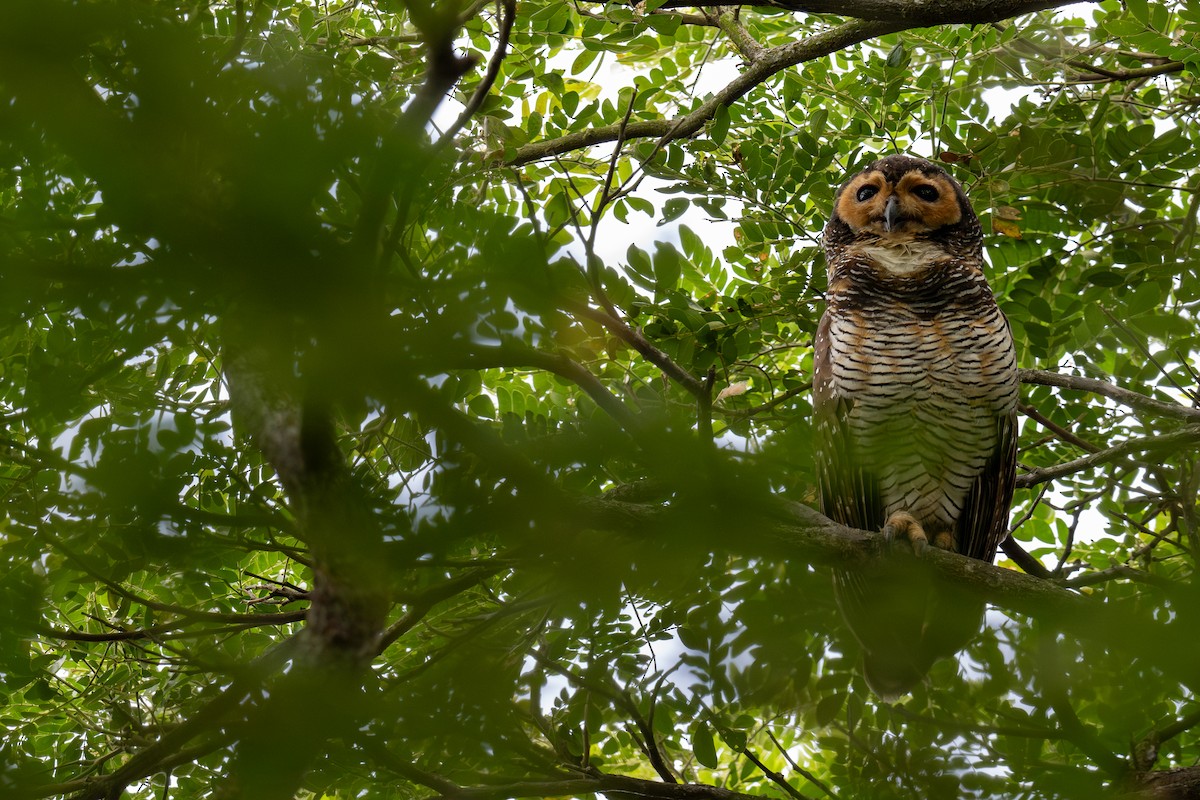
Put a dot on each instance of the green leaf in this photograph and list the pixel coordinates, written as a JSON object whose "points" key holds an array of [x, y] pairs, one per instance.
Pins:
{"points": [[736, 739], [718, 129], [692, 639], [668, 266], [1146, 297], [828, 708], [674, 208], [1040, 309], [703, 747]]}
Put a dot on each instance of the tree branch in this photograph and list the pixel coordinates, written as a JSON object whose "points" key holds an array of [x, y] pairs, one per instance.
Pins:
{"points": [[801, 534], [779, 399], [508, 15], [770, 62], [1134, 400], [1057, 430], [423, 603], [596, 782], [915, 13], [165, 631], [795, 533], [799, 769], [1175, 727], [1111, 76], [1119, 571], [1170, 784], [1024, 560], [1167, 441], [749, 48], [509, 355], [635, 339], [209, 717]]}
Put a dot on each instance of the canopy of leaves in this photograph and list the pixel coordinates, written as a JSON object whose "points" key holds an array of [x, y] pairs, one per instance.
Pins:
{"points": [[409, 399]]}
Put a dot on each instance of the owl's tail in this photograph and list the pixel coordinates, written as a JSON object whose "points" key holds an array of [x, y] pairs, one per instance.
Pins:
{"points": [[905, 620]]}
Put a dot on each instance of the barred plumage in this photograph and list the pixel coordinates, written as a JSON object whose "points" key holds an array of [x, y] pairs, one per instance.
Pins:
{"points": [[915, 400]]}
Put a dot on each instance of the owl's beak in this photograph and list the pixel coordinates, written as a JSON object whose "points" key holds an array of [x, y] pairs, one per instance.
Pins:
{"points": [[891, 212]]}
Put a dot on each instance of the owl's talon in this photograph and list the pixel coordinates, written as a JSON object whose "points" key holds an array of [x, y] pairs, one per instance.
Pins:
{"points": [[902, 525]]}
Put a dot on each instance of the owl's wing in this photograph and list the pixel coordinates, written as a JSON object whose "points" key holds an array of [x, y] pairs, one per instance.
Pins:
{"points": [[849, 493], [983, 523]]}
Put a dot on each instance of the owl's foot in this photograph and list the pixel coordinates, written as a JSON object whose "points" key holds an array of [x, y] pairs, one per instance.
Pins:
{"points": [[902, 525]]}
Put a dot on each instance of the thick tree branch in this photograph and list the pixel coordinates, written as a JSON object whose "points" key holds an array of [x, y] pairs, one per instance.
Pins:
{"points": [[287, 412], [595, 782], [800, 534], [825, 541], [1182, 783], [796, 533]]}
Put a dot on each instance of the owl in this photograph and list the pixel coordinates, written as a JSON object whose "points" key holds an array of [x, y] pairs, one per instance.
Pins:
{"points": [[915, 397]]}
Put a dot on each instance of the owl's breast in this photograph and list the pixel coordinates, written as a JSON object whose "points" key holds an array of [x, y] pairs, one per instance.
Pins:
{"points": [[902, 256], [923, 393]]}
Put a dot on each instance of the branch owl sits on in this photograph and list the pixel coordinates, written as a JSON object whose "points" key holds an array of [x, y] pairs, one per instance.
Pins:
{"points": [[915, 396]]}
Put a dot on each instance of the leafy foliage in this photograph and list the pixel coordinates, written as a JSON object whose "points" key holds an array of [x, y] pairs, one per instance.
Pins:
{"points": [[401, 399]]}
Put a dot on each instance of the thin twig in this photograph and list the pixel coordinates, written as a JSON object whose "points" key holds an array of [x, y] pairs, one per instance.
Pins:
{"points": [[1168, 441], [507, 17], [1056, 429], [635, 339], [792, 762]]}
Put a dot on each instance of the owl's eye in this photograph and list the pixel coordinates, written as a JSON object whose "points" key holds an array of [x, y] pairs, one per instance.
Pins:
{"points": [[926, 192], [866, 193]]}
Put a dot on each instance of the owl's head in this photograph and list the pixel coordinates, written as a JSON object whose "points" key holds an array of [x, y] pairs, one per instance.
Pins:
{"points": [[903, 199]]}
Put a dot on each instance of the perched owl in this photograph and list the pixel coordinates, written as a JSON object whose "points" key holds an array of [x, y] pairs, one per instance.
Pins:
{"points": [[915, 397]]}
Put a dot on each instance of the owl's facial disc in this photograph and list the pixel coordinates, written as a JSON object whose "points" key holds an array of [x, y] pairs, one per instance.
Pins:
{"points": [[917, 203]]}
